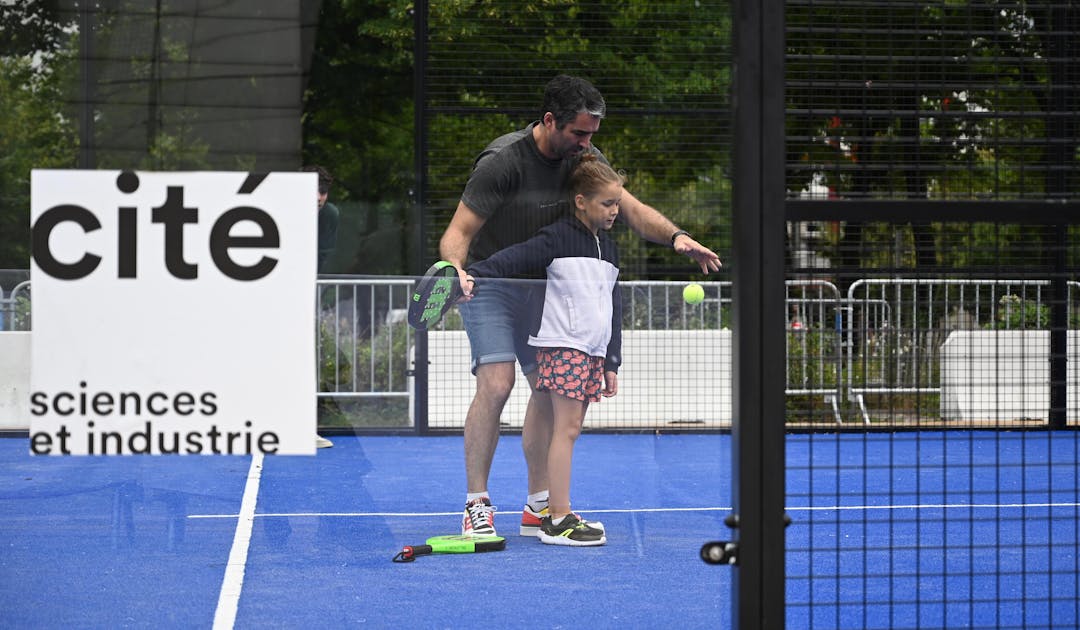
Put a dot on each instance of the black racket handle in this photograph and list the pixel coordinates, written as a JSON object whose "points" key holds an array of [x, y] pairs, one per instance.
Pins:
{"points": [[409, 553]]}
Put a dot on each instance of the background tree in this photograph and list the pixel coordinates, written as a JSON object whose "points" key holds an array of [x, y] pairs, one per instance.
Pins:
{"points": [[664, 73], [36, 63], [945, 101]]}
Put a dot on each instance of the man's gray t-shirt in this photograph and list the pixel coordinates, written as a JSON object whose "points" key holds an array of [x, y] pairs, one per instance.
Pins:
{"points": [[517, 190]]}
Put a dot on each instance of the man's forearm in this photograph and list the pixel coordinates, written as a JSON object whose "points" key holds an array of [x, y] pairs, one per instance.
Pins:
{"points": [[454, 249], [647, 221]]}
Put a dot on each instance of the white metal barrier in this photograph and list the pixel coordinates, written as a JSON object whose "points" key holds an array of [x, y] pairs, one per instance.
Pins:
{"points": [[891, 337], [363, 340], [14, 307], [814, 342], [897, 327]]}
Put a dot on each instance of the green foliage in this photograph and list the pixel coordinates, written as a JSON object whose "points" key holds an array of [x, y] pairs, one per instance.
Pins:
{"points": [[358, 105], [33, 135], [954, 100], [486, 67], [1016, 313], [347, 359], [374, 362], [813, 361], [16, 314], [665, 70]]}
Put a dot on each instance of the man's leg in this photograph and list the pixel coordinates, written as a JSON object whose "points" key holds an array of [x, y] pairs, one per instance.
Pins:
{"points": [[489, 320], [494, 381], [493, 384]]}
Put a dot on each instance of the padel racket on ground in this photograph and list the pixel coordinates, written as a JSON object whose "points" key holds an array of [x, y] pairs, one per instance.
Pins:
{"points": [[433, 295], [451, 544]]}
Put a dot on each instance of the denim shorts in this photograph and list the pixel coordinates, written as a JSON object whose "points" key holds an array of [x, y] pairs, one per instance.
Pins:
{"points": [[499, 320]]}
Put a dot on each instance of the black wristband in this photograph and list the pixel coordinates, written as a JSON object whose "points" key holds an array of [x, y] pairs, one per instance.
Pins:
{"points": [[677, 234]]}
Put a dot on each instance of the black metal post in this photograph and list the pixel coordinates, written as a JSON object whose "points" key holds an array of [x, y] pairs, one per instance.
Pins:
{"points": [[1059, 131], [87, 158], [758, 263], [420, 360]]}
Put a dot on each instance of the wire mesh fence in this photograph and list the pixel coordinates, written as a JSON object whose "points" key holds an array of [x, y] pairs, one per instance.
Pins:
{"points": [[930, 395], [959, 316]]}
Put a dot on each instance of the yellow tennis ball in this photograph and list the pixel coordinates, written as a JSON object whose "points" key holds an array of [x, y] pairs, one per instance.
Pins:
{"points": [[693, 293]]}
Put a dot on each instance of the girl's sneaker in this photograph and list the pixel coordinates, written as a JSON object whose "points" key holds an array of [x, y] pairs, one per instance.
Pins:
{"points": [[531, 517], [572, 531]]}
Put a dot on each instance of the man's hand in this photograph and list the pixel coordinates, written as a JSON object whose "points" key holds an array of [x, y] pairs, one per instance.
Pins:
{"points": [[467, 284], [705, 257], [611, 384], [454, 244]]}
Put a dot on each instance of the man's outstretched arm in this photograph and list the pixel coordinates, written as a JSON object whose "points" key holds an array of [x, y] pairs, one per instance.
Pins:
{"points": [[653, 226]]}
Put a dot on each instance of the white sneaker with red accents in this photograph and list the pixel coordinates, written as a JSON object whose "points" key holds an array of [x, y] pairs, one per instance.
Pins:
{"points": [[479, 518]]}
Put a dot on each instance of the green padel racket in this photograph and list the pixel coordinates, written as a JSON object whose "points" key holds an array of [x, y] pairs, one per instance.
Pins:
{"points": [[433, 295], [452, 544]]}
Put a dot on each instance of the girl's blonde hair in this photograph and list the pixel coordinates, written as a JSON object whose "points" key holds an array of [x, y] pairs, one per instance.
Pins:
{"points": [[590, 174]]}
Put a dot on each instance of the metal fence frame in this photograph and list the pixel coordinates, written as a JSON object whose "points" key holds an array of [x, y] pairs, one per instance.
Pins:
{"points": [[10, 317], [361, 354], [984, 294]]}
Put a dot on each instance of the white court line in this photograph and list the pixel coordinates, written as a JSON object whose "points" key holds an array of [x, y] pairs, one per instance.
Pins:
{"points": [[427, 514], [927, 506], [229, 597]]}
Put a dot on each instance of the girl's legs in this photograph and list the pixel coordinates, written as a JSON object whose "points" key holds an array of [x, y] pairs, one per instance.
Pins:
{"points": [[569, 416]]}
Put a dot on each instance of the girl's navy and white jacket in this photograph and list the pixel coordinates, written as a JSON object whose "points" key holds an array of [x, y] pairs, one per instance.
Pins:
{"points": [[582, 305]]}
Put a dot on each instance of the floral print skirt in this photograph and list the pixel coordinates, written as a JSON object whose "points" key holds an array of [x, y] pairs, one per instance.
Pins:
{"points": [[570, 373]]}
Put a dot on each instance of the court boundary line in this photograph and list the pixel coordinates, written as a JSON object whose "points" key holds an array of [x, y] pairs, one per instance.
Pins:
{"points": [[233, 582], [822, 508], [427, 514]]}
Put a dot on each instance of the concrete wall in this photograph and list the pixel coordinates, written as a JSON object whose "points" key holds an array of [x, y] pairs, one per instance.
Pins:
{"points": [[1004, 375], [14, 380], [668, 379]]}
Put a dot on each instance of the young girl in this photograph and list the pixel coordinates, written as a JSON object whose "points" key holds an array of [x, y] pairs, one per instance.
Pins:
{"points": [[578, 332]]}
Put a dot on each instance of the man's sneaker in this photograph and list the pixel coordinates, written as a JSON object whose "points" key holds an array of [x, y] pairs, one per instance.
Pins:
{"points": [[531, 517], [572, 531], [321, 442], [479, 518]]}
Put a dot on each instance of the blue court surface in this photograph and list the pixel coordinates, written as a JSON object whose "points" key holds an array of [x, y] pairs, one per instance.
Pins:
{"points": [[932, 529], [957, 529], [159, 542]]}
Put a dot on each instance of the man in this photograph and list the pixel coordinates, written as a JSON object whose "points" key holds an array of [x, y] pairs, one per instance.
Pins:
{"points": [[517, 186], [329, 216], [328, 227]]}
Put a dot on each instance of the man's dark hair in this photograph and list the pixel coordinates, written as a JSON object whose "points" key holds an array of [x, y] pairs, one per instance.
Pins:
{"points": [[566, 97], [325, 178]]}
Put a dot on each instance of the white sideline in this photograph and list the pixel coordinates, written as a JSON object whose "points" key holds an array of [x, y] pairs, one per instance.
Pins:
{"points": [[233, 583], [587, 511]]}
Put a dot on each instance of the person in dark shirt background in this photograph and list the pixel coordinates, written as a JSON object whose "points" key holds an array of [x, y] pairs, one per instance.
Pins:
{"points": [[328, 217], [328, 227]]}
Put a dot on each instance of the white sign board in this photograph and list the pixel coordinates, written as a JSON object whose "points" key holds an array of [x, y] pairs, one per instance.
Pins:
{"points": [[173, 313]]}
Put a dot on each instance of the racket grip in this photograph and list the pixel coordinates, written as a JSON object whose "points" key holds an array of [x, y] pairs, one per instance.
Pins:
{"points": [[409, 553], [420, 550]]}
